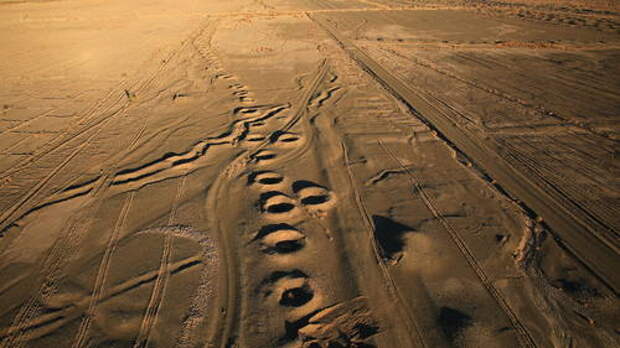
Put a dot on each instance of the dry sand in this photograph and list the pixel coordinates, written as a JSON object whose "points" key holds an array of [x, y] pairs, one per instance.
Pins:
{"points": [[309, 173]]}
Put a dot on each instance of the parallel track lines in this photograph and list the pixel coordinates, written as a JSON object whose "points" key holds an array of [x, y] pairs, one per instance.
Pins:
{"points": [[370, 228], [102, 273], [5, 218], [67, 136], [52, 264], [25, 316], [225, 327], [524, 337], [225, 331], [331, 9], [581, 235], [46, 323], [99, 115], [161, 282]]}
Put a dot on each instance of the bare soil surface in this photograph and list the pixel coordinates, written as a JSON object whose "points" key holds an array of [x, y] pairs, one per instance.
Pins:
{"points": [[309, 173]]}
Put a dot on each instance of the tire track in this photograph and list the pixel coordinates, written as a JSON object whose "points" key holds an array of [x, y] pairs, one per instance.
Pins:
{"points": [[285, 205], [525, 338], [401, 295], [161, 282], [71, 188], [237, 133], [411, 324], [101, 116], [46, 113], [47, 323], [102, 273], [328, 8], [581, 235], [225, 330], [105, 104], [539, 109], [51, 267], [225, 326], [17, 210]]}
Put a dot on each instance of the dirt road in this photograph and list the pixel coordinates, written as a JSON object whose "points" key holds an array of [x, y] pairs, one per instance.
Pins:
{"points": [[309, 173]]}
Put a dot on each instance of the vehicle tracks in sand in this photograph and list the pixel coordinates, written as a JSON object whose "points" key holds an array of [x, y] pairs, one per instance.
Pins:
{"points": [[415, 325], [104, 266], [83, 133], [168, 166], [525, 339], [29, 321], [410, 322], [51, 269], [578, 232], [30, 317], [331, 9], [161, 282], [225, 330], [284, 206], [72, 308]]}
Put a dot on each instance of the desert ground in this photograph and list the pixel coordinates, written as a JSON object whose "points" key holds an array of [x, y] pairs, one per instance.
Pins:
{"points": [[309, 173]]}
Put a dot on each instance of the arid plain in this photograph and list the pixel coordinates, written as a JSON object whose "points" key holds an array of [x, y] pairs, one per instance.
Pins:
{"points": [[309, 173]]}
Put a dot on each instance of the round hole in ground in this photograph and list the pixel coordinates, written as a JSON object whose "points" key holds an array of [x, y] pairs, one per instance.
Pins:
{"points": [[279, 208], [297, 296], [314, 200], [289, 139], [265, 178], [288, 246], [255, 138], [266, 156], [271, 180]]}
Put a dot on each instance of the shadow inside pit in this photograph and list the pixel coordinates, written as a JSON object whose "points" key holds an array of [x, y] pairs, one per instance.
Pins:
{"points": [[389, 234], [453, 322]]}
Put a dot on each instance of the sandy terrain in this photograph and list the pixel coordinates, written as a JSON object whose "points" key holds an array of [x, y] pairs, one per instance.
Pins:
{"points": [[309, 173]]}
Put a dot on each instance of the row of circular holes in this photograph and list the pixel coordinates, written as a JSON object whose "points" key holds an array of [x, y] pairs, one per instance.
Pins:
{"points": [[282, 239]]}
